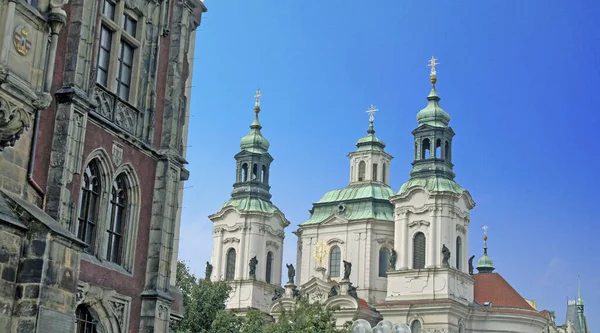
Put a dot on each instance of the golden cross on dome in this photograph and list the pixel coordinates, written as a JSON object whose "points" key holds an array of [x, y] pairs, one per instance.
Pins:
{"points": [[432, 63], [371, 111], [257, 96]]}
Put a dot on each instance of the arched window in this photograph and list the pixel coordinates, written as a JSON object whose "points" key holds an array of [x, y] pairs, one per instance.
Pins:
{"points": [[255, 172], [447, 151], [230, 265], [88, 210], [361, 170], [384, 173], [244, 172], [419, 251], [263, 175], [461, 328], [458, 252], [438, 148], [269, 265], [117, 223], [335, 258], [84, 320], [415, 327], [425, 149], [384, 261], [375, 166]]}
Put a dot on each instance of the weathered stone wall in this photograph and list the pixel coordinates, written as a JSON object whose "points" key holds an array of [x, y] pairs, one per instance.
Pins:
{"points": [[10, 249]]}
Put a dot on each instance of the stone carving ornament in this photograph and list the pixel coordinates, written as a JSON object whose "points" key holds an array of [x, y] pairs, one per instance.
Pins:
{"points": [[347, 269], [253, 263], [446, 254], [291, 273], [13, 122]]}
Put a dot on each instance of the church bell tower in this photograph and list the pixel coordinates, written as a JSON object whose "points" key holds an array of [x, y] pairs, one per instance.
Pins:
{"points": [[248, 230], [431, 216]]}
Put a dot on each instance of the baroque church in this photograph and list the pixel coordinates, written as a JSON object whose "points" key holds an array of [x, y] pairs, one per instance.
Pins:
{"points": [[386, 258]]}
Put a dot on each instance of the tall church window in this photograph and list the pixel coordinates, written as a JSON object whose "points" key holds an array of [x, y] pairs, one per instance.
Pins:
{"points": [[117, 223], [335, 258], [384, 173], [425, 149], [84, 320], [384, 261], [362, 166], [458, 253], [415, 327], [88, 210], [419, 251], [375, 166], [230, 265], [269, 265], [254, 172]]}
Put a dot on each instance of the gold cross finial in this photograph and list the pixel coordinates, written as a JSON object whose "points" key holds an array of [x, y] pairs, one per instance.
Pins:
{"points": [[371, 111], [257, 96], [432, 63]]}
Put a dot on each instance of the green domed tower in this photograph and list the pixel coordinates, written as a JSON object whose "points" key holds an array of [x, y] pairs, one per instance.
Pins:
{"points": [[485, 264]]}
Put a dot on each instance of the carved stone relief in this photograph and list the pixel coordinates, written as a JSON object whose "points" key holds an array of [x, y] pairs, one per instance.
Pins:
{"points": [[273, 244], [418, 223], [126, 117], [117, 154], [13, 122], [231, 240], [105, 102]]}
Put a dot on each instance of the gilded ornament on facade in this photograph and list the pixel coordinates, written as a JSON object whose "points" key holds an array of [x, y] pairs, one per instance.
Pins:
{"points": [[320, 252], [22, 40]]}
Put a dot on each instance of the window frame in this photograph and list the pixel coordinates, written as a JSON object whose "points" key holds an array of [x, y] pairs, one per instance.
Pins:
{"points": [[84, 320], [269, 267], [386, 263], [230, 264], [120, 35], [337, 265], [423, 258], [93, 173], [118, 211]]}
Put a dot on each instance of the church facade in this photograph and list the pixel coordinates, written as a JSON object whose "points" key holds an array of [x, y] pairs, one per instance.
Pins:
{"points": [[94, 102], [385, 257]]}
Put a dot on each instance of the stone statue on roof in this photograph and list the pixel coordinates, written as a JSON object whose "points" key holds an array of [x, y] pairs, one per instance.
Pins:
{"points": [[471, 264], [291, 273], [393, 259], [347, 269], [208, 271], [253, 263], [446, 255]]}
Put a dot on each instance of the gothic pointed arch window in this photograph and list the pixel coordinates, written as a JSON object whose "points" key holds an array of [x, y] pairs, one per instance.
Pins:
{"points": [[362, 166], [269, 266], [419, 251], [384, 261], [230, 265], [335, 259], [91, 187], [415, 327], [458, 253], [84, 320], [116, 226]]}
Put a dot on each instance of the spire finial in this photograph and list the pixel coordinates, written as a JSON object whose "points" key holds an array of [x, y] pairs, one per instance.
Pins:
{"points": [[579, 300], [485, 238], [432, 75], [371, 111], [257, 103]]}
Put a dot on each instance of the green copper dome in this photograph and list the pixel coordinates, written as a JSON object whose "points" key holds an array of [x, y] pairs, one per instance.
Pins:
{"points": [[432, 184], [485, 264], [254, 142], [433, 114], [370, 142]]}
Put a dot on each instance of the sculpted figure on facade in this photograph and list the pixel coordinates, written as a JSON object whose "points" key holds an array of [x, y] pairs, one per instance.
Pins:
{"points": [[347, 269], [291, 273], [253, 263], [471, 264], [393, 259], [208, 271], [446, 255]]}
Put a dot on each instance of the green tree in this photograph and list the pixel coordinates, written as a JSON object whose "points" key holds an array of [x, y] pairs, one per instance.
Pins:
{"points": [[306, 318], [203, 300]]}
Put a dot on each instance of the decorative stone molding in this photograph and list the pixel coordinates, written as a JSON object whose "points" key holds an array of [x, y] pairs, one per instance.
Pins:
{"points": [[42, 101], [235, 227], [231, 240], [117, 154], [126, 117], [386, 240], [461, 229], [418, 223], [13, 122], [105, 103], [111, 307], [267, 229], [273, 244], [335, 241]]}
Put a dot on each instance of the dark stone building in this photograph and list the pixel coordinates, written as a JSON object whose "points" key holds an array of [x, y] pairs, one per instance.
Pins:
{"points": [[94, 103]]}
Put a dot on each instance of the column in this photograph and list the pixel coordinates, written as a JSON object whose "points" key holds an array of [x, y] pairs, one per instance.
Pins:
{"points": [[439, 232], [241, 258], [431, 239], [218, 265], [401, 240]]}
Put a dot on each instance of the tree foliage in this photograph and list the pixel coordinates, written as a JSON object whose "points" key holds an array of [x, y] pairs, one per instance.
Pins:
{"points": [[204, 303]]}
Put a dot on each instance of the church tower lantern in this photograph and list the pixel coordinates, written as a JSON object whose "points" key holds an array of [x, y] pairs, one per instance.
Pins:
{"points": [[248, 230]]}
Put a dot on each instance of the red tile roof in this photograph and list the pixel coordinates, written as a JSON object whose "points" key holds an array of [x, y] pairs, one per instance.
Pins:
{"points": [[491, 287], [362, 303]]}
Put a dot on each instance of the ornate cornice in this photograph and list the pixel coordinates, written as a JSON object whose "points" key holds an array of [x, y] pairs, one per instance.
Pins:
{"points": [[461, 229], [335, 241], [231, 239], [418, 223], [268, 229], [273, 244], [386, 240]]}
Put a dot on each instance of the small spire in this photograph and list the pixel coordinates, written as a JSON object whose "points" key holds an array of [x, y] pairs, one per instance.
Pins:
{"points": [[371, 111], [432, 75], [579, 299], [485, 238]]}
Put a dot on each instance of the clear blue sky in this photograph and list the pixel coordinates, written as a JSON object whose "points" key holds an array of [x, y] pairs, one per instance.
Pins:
{"points": [[519, 79]]}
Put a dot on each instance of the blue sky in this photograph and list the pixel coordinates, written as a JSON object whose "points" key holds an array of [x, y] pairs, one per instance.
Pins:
{"points": [[519, 79]]}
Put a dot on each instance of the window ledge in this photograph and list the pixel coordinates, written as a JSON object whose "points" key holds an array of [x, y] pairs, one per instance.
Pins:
{"points": [[106, 264]]}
